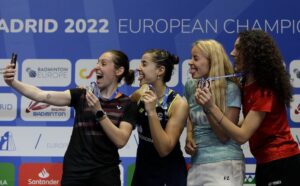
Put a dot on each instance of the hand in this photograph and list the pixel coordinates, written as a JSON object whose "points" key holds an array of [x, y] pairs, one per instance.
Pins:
{"points": [[150, 100], [9, 74], [80, 86], [190, 145], [204, 97], [93, 101]]}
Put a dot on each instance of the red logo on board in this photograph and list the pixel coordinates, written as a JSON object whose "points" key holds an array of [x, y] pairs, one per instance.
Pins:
{"points": [[39, 174]]}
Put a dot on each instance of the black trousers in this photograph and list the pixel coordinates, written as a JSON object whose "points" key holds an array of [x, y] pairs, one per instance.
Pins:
{"points": [[108, 176], [282, 172]]}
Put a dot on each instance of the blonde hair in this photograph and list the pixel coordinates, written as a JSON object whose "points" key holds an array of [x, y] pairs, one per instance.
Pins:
{"points": [[220, 65]]}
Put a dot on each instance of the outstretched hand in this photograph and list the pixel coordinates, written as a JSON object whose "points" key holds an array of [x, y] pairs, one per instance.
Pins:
{"points": [[9, 74]]}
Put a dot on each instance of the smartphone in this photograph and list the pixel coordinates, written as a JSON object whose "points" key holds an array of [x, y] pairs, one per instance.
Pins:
{"points": [[14, 59]]}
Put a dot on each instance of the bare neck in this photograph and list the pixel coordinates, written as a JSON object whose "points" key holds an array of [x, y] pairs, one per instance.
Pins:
{"points": [[160, 89], [108, 91]]}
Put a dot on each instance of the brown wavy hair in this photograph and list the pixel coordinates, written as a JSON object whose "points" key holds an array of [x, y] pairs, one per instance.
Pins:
{"points": [[261, 57]]}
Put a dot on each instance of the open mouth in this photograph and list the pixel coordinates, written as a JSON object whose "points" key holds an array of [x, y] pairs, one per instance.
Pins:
{"points": [[99, 76], [193, 70], [141, 76]]}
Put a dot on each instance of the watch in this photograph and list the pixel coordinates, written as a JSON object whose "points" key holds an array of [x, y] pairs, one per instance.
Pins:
{"points": [[100, 114]]}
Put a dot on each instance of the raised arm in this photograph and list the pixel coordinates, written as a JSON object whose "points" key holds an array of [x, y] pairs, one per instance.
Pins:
{"points": [[119, 135], [165, 140], [240, 134], [136, 95], [232, 114], [51, 97]]}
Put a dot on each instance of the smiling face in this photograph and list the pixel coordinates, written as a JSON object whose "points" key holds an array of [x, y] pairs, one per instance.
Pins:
{"points": [[148, 70], [199, 64], [106, 72], [238, 65]]}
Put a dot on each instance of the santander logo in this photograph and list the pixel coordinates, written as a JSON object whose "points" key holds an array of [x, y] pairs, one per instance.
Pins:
{"points": [[44, 174], [38, 174]]}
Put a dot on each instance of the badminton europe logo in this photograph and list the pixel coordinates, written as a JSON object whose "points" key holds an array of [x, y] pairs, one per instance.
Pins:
{"points": [[295, 110], [34, 105], [31, 73], [294, 70]]}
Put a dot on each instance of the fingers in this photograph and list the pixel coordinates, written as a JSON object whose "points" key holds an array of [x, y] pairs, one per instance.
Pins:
{"points": [[198, 94], [206, 90], [88, 98], [150, 100], [92, 100], [149, 96], [81, 87], [202, 95], [193, 144], [189, 149], [190, 146], [9, 73], [150, 93], [10, 66]]}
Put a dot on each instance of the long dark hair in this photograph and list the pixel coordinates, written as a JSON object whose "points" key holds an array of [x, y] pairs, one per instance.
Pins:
{"points": [[164, 58], [262, 58], [120, 59]]}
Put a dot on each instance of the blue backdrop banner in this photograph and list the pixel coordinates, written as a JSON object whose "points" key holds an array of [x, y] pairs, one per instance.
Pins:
{"points": [[58, 43]]}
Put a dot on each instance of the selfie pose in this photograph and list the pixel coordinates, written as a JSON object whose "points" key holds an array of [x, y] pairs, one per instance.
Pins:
{"points": [[102, 124]]}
